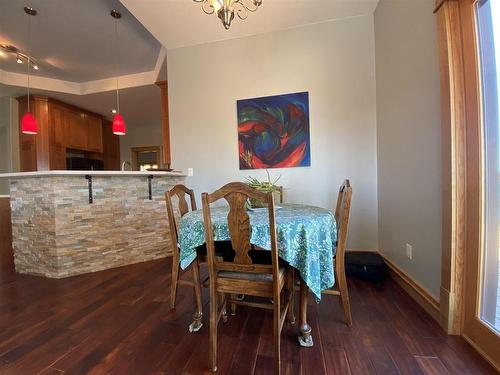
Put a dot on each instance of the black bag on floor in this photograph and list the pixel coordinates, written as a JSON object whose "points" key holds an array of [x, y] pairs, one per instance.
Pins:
{"points": [[366, 265]]}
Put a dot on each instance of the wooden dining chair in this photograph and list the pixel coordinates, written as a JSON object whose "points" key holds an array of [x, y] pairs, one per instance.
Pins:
{"points": [[342, 212], [180, 191], [281, 194], [240, 275]]}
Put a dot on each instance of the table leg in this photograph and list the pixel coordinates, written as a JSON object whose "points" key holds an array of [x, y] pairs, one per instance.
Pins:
{"points": [[305, 338], [196, 325]]}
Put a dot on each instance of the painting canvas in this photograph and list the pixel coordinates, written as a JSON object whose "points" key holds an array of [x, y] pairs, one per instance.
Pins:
{"points": [[273, 131]]}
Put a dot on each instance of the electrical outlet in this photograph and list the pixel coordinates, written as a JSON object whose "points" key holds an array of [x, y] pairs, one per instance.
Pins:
{"points": [[190, 172], [409, 251]]}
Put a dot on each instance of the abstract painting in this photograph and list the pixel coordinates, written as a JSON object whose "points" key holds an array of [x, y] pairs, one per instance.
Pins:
{"points": [[273, 131]]}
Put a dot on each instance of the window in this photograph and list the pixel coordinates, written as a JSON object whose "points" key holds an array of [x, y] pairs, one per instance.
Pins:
{"points": [[145, 158], [488, 26]]}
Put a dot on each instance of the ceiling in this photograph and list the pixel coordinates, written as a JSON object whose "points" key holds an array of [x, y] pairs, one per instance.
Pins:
{"points": [[73, 43], [73, 40], [139, 105], [180, 23]]}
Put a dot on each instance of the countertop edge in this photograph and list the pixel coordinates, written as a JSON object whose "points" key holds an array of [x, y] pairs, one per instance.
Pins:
{"points": [[91, 173]]}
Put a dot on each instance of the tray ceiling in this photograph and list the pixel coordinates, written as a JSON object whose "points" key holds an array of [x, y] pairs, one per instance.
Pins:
{"points": [[73, 40]]}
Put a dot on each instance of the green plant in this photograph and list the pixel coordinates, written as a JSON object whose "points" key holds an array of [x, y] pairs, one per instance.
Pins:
{"points": [[268, 186]]}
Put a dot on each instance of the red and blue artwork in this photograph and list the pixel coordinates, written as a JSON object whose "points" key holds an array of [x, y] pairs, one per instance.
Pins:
{"points": [[273, 131]]}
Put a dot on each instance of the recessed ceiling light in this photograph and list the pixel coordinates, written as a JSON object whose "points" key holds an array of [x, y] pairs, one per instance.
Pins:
{"points": [[113, 111], [19, 60], [35, 67]]}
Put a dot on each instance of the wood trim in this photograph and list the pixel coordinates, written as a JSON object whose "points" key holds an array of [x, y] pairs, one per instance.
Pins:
{"points": [[462, 176], [490, 360], [453, 112], [165, 121], [421, 295], [439, 4]]}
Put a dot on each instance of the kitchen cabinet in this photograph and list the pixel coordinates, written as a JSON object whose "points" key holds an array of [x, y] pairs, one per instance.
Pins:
{"points": [[75, 128], [94, 134], [111, 147], [62, 126]]}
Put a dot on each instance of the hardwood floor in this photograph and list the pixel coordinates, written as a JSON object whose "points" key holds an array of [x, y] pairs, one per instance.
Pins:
{"points": [[118, 321]]}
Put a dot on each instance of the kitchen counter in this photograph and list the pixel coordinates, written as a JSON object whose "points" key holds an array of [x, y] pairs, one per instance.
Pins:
{"points": [[66, 223]]}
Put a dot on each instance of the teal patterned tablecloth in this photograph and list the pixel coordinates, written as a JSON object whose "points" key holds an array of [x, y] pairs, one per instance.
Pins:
{"points": [[306, 239]]}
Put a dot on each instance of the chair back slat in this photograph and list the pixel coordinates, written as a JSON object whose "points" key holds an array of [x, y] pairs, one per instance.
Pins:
{"points": [[342, 213], [237, 194], [180, 191], [238, 223]]}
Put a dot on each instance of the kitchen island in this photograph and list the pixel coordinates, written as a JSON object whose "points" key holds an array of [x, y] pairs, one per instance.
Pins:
{"points": [[66, 223]]}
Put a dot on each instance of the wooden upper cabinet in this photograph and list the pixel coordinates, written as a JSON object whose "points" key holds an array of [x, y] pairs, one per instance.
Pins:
{"points": [[111, 147], [61, 126], [75, 128], [94, 134], [58, 141]]}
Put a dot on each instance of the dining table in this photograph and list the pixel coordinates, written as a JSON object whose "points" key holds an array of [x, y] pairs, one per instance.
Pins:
{"points": [[306, 237]]}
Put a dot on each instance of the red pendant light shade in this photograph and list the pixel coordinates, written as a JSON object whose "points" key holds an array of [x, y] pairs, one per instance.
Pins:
{"points": [[29, 125], [119, 127]]}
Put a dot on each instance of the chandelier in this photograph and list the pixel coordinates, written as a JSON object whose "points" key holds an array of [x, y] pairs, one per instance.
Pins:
{"points": [[225, 9]]}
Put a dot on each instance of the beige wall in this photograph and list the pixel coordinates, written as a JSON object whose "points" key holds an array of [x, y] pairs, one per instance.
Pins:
{"points": [[9, 139], [409, 137], [334, 61]]}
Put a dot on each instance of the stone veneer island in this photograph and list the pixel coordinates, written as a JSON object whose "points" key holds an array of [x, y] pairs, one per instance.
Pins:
{"points": [[59, 229]]}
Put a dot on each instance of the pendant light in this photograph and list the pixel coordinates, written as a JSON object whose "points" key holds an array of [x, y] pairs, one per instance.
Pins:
{"points": [[28, 122], [119, 127]]}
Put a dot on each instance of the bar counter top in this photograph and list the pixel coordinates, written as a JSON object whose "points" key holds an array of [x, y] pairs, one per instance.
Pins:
{"points": [[91, 173]]}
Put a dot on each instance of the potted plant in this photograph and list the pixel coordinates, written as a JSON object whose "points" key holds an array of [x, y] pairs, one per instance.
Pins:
{"points": [[268, 186]]}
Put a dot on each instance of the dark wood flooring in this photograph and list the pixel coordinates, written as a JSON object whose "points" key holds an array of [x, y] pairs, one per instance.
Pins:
{"points": [[118, 321]]}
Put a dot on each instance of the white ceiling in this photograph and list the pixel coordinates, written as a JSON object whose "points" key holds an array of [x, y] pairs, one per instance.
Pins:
{"points": [[179, 23], [73, 40]]}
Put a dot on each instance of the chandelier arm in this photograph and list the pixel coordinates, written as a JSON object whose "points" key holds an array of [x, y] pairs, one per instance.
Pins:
{"points": [[249, 5], [206, 7], [240, 9]]}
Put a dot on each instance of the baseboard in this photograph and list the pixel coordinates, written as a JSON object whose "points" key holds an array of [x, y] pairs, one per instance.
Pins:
{"points": [[482, 353], [423, 297]]}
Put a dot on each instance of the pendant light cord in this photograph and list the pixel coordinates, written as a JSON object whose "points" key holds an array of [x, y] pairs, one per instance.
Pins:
{"points": [[29, 62], [116, 67]]}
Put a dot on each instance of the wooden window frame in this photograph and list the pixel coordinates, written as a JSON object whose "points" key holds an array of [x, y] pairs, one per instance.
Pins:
{"points": [[136, 150], [462, 175]]}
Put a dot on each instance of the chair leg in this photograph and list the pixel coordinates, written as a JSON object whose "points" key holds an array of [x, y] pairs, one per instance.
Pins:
{"points": [[197, 323], [223, 307], [291, 295], [233, 305], [214, 319], [277, 335], [175, 278], [344, 296]]}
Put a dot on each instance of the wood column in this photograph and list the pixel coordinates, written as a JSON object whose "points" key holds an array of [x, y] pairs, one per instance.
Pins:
{"points": [[453, 119], [163, 85]]}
